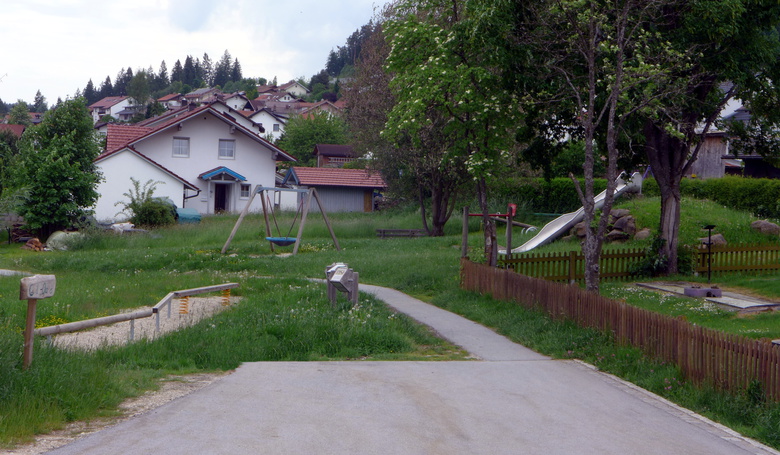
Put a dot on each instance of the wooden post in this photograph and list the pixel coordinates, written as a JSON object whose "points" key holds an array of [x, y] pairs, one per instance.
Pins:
{"points": [[509, 225], [327, 221], [306, 206], [32, 289], [240, 218], [464, 247], [265, 217]]}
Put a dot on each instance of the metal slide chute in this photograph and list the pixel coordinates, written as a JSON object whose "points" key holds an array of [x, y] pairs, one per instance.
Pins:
{"points": [[565, 222]]}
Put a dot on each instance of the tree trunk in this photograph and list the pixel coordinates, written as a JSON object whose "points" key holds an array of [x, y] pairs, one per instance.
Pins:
{"points": [[491, 247], [668, 157], [670, 225]]}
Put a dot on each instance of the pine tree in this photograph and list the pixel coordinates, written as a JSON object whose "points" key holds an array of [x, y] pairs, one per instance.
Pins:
{"points": [[188, 72], [90, 94], [176, 72], [162, 76], [39, 105], [106, 88], [222, 72], [235, 73], [208, 70]]}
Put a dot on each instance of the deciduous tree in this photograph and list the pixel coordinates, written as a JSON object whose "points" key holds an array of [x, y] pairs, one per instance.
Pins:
{"points": [[302, 133], [57, 170], [445, 56]]}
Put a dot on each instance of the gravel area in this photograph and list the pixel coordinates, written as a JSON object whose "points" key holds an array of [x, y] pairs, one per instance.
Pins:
{"points": [[170, 388], [119, 333]]}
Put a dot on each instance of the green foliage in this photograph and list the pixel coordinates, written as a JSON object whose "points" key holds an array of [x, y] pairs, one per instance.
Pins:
{"points": [[556, 195], [57, 168], [145, 210], [302, 133], [19, 114], [761, 197], [654, 263]]}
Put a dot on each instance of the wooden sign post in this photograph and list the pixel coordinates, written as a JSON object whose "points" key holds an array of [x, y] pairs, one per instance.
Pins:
{"points": [[32, 289]]}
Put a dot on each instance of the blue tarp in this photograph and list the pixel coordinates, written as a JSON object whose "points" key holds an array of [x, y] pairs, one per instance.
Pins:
{"points": [[188, 215]]}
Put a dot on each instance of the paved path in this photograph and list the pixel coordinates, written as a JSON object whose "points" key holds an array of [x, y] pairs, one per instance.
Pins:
{"points": [[513, 401]]}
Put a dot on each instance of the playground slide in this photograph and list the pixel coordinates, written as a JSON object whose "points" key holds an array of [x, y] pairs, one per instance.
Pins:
{"points": [[564, 223]]}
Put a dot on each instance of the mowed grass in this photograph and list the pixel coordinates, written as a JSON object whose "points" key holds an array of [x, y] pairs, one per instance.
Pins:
{"points": [[284, 316]]}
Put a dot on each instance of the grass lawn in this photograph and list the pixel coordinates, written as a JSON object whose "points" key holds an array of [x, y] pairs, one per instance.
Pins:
{"points": [[283, 316]]}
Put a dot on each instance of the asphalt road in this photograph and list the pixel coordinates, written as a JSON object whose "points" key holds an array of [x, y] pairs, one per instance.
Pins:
{"points": [[510, 401]]}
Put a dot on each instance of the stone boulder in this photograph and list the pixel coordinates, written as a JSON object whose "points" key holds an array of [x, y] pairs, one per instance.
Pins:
{"points": [[616, 214], [626, 224], [717, 239], [616, 235], [642, 234], [765, 227]]}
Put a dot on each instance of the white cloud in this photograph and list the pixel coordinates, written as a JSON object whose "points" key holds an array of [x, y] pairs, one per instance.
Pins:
{"points": [[56, 46]]}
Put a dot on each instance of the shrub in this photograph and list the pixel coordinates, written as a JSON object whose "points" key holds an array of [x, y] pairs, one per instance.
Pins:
{"points": [[760, 197], [144, 209], [155, 212]]}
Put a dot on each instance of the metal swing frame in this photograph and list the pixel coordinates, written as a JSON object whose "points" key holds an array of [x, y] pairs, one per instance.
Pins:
{"points": [[310, 192]]}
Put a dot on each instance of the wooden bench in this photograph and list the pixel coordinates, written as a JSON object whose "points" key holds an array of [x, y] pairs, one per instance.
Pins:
{"points": [[384, 233]]}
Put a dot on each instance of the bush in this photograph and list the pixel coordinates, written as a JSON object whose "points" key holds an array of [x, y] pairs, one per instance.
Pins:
{"points": [[550, 196], [145, 210], [154, 212], [760, 197]]}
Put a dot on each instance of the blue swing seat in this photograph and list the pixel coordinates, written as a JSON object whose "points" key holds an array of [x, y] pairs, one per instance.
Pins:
{"points": [[281, 241]]}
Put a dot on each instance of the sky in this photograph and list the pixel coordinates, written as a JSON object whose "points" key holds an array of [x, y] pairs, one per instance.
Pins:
{"points": [[57, 46]]}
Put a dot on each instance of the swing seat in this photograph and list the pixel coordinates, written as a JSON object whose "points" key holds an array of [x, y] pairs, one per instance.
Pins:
{"points": [[281, 241]]}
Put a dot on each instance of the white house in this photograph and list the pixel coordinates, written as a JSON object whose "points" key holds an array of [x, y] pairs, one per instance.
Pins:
{"points": [[272, 122], [110, 105], [208, 158], [295, 88]]}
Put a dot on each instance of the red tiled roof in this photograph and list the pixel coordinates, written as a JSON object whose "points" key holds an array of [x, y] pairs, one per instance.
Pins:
{"points": [[322, 176], [17, 130], [169, 97], [118, 136], [107, 102]]}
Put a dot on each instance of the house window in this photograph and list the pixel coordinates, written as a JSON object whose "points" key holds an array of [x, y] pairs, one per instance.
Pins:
{"points": [[276, 127], [245, 190], [181, 147], [227, 149]]}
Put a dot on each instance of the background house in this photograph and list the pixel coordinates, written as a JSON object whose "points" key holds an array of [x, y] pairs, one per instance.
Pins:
{"points": [[208, 158], [333, 155], [340, 190], [110, 105]]}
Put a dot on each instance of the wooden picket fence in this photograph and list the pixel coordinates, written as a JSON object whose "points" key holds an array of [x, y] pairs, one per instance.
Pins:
{"points": [[569, 267], [705, 356]]}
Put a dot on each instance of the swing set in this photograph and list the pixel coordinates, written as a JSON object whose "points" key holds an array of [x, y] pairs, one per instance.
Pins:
{"points": [[303, 212]]}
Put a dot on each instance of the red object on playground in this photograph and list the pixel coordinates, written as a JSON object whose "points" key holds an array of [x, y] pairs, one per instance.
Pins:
{"points": [[511, 207]]}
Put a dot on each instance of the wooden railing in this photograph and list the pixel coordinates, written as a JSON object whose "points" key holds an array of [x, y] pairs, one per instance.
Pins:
{"points": [[725, 361], [569, 266]]}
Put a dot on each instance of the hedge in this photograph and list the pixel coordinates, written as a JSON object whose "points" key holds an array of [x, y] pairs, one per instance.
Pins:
{"points": [[759, 197]]}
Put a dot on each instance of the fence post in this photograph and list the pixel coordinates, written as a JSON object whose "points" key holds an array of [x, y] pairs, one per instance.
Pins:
{"points": [[572, 267], [464, 248]]}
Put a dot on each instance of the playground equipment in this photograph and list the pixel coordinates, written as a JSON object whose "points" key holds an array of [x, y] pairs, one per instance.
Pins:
{"points": [[565, 222], [303, 210]]}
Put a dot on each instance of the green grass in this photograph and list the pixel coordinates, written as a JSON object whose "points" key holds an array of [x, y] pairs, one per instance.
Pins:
{"points": [[282, 316]]}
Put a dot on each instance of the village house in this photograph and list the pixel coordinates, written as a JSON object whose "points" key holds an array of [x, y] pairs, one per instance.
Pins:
{"points": [[208, 158], [110, 105]]}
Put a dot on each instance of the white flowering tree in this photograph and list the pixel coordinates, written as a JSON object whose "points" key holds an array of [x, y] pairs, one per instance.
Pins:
{"points": [[448, 59]]}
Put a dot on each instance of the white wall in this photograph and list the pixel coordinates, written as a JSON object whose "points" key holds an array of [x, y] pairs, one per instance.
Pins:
{"points": [[120, 167], [268, 121], [252, 160]]}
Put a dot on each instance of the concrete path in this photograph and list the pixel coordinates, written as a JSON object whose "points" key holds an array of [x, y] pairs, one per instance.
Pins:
{"points": [[513, 401]]}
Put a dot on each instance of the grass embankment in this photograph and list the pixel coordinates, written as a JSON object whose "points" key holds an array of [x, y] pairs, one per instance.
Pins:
{"points": [[284, 318]]}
